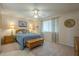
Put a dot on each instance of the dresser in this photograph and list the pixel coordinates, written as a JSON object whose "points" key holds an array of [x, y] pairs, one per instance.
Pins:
{"points": [[8, 39], [76, 46]]}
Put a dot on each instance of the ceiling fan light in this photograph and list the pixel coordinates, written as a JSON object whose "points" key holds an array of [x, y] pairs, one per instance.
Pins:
{"points": [[35, 12], [35, 16]]}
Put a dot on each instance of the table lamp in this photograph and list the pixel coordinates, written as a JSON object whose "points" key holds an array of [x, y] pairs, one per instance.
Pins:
{"points": [[12, 29]]}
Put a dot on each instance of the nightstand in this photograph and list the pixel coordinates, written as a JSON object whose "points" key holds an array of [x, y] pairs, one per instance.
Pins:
{"points": [[8, 39]]}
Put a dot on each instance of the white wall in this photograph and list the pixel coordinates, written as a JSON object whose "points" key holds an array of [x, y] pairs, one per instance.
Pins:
{"points": [[6, 20], [5, 24], [66, 35]]}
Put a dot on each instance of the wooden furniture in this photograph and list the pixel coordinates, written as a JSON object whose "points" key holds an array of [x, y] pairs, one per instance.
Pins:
{"points": [[34, 42], [8, 39], [76, 46]]}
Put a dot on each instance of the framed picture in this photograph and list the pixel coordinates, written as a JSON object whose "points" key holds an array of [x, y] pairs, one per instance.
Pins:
{"points": [[69, 23], [22, 23]]}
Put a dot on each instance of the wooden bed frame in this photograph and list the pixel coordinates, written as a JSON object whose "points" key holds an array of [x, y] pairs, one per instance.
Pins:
{"points": [[33, 43]]}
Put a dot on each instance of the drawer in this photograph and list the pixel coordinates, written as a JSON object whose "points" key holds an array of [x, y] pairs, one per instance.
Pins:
{"points": [[8, 39]]}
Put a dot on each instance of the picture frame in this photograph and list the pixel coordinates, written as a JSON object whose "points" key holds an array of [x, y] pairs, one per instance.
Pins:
{"points": [[22, 23]]}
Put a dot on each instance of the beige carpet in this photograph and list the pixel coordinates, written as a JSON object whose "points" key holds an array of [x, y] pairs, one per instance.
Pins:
{"points": [[48, 49]]}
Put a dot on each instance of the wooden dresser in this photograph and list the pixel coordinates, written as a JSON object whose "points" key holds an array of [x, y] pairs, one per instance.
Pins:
{"points": [[8, 39], [76, 46]]}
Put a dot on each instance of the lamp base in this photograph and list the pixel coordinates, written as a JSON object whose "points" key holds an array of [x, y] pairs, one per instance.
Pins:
{"points": [[12, 33]]}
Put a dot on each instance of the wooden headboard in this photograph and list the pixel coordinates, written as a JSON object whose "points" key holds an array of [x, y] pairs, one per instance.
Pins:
{"points": [[22, 30], [18, 30]]}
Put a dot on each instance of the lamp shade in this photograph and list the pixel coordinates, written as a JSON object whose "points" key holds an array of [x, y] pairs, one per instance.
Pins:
{"points": [[11, 26]]}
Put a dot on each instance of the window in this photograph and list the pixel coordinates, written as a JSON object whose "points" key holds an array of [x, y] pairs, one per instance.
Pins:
{"points": [[47, 26]]}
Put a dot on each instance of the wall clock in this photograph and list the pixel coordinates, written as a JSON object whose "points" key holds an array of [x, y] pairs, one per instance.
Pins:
{"points": [[69, 23]]}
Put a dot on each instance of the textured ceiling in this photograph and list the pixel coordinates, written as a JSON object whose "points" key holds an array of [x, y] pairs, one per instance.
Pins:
{"points": [[46, 9]]}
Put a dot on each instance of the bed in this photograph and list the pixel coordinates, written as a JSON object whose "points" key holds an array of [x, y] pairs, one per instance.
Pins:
{"points": [[22, 36]]}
